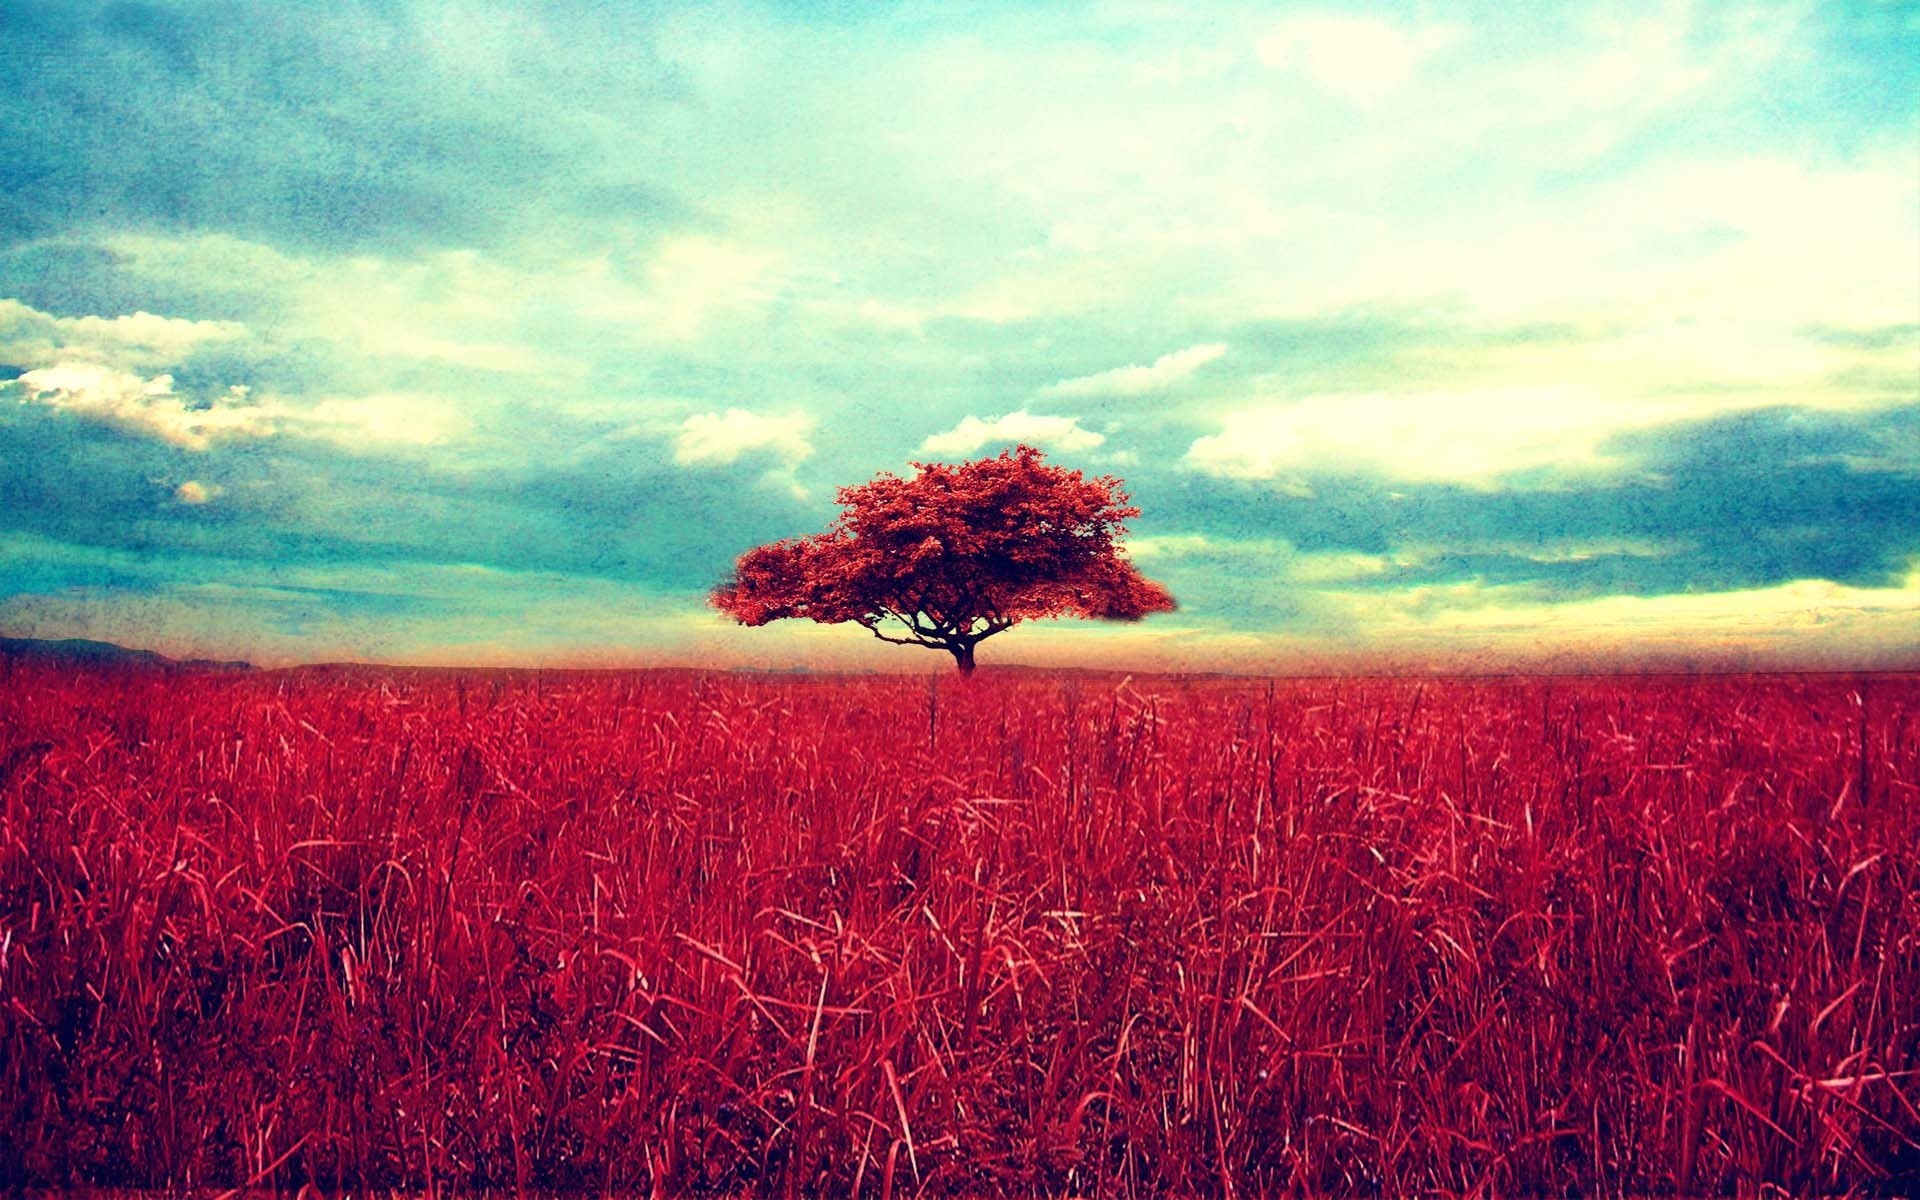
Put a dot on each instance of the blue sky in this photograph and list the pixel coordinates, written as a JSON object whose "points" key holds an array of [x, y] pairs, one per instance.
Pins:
{"points": [[1424, 335]]}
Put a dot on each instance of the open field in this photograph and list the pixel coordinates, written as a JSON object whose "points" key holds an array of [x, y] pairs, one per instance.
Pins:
{"points": [[689, 933]]}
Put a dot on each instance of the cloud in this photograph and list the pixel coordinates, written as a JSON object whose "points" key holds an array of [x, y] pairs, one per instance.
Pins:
{"points": [[693, 279], [406, 610], [459, 310], [1579, 550], [1272, 558], [1177, 546], [388, 418], [29, 336], [1478, 438], [193, 492], [1802, 621], [972, 433], [1357, 59], [679, 291], [151, 407], [719, 438], [1165, 372], [293, 126], [1745, 247], [146, 406], [1340, 566]]}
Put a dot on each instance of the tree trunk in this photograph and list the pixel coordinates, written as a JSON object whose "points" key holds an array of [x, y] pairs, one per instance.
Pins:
{"points": [[962, 656]]}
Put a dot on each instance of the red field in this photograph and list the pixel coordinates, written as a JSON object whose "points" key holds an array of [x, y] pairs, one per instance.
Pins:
{"points": [[693, 934]]}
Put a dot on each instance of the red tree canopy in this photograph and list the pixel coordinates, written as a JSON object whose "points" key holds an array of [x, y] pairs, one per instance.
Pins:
{"points": [[954, 555]]}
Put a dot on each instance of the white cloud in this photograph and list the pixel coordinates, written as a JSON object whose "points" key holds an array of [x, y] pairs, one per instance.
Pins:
{"points": [[457, 308], [34, 338], [1358, 59], [1804, 622], [690, 283], [194, 492], [721, 438], [1730, 252], [1170, 546], [389, 418], [1283, 560], [1028, 293], [1471, 437], [148, 405], [1270, 556], [972, 433], [166, 338], [1339, 566], [1578, 550], [145, 405], [1164, 373]]}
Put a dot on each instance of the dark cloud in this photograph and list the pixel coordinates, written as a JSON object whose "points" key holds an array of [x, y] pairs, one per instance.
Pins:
{"points": [[1879, 337], [1739, 502], [69, 279], [319, 126], [625, 512]]}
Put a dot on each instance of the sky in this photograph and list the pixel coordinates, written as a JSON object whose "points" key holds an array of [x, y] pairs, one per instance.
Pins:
{"points": [[1425, 336]]}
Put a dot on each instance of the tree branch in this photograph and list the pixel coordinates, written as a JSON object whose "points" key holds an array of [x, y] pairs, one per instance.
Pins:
{"points": [[873, 627]]}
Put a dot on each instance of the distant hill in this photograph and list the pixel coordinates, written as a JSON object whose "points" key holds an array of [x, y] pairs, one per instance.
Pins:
{"points": [[82, 650]]}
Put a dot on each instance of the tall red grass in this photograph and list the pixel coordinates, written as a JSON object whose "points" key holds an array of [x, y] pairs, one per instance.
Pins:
{"points": [[702, 933]]}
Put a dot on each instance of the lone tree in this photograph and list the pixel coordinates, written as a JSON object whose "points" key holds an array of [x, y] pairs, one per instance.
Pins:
{"points": [[954, 555]]}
